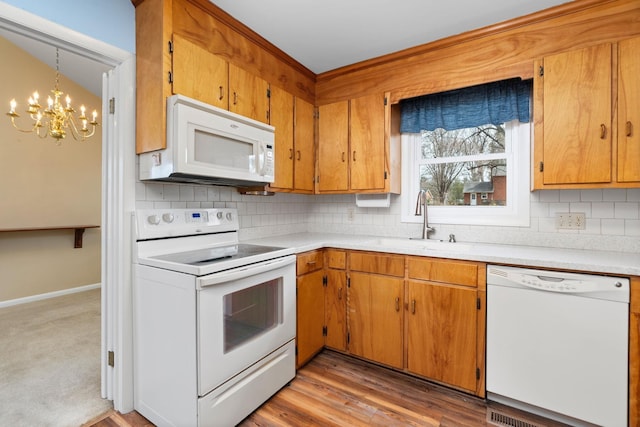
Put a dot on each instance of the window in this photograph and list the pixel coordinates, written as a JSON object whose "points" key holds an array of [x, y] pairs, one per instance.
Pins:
{"points": [[477, 175]]}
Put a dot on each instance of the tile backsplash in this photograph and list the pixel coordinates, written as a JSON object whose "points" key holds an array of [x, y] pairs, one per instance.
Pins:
{"points": [[612, 216]]}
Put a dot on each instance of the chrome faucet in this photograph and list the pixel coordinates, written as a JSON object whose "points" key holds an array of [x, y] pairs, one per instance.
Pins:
{"points": [[420, 204]]}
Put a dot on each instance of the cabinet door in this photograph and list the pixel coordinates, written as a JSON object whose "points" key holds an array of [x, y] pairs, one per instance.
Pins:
{"points": [[281, 115], [310, 315], [629, 110], [367, 149], [199, 74], [375, 318], [442, 331], [336, 309], [305, 163], [249, 94], [333, 147], [577, 116]]}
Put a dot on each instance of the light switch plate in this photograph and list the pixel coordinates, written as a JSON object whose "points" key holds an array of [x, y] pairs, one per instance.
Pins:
{"points": [[571, 221]]}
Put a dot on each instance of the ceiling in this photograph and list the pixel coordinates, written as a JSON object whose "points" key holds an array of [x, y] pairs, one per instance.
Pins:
{"points": [[328, 34], [82, 70]]}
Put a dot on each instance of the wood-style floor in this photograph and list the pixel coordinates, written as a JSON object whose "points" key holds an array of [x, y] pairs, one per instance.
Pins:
{"points": [[336, 390]]}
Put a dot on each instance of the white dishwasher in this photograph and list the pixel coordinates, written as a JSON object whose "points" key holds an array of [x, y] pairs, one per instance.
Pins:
{"points": [[557, 344]]}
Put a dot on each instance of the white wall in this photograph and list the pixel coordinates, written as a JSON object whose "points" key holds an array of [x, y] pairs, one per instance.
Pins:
{"points": [[613, 216]]}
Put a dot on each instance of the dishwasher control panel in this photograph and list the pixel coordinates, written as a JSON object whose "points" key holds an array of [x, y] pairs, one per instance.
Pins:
{"points": [[608, 287]]}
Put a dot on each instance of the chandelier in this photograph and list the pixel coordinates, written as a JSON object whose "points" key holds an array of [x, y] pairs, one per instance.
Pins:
{"points": [[56, 119]]}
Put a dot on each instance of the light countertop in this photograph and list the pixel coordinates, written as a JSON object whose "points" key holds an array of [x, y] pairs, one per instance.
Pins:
{"points": [[624, 263]]}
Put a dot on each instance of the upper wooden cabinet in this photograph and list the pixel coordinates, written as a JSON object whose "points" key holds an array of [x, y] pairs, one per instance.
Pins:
{"points": [[294, 121], [629, 110], [192, 48], [354, 146], [199, 74], [578, 142]]}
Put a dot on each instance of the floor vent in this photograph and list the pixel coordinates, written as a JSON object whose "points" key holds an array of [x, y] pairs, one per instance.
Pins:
{"points": [[501, 419]]}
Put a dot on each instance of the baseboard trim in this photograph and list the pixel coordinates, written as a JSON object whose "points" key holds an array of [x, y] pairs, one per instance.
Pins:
{"points": [[48, 295]]}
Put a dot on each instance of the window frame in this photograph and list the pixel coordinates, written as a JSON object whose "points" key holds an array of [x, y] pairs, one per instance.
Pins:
{"points": [[516, 213]]}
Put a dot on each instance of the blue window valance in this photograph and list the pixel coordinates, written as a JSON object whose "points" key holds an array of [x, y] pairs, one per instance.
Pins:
{"points": [[491, 103]]}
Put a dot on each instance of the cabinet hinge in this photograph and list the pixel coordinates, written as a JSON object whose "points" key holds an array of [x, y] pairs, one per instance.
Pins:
{"points": [[541, 71], [478, 304], [325, 281], [111, 359], [348, 337], [170, 76], [477, 373], [269, 93], [385, 174], [348, 282], [170, 46], [296, 350], [541, 166], [385, 101], [112, 106], [324, 331]]}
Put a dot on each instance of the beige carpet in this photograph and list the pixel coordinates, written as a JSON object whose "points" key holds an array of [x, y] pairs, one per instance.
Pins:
{"points": [[50, 362]]}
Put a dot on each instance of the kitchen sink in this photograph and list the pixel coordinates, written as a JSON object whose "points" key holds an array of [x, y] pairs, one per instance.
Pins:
{"points": [[419, 244]]}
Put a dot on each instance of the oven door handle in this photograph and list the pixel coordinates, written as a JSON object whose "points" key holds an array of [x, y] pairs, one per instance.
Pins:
{"points": [[245, 271]]}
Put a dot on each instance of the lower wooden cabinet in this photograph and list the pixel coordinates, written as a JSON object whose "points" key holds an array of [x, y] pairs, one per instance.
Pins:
{"points": [[442, 333], [375, 318], [419, 315]]}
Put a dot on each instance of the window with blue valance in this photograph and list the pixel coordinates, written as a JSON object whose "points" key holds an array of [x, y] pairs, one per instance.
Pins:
{"points": [[491, 103]]}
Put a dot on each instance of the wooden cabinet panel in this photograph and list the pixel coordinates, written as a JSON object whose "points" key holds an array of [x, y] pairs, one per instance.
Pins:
{"points": [[336, 258], [281, 115], [445, 271], [391, 265], [248, 94], [375, 318], [629, 110], [577, 116], [199, 74], [335, 309], [310, 315], [442, 333], [333, 147], [304, 141], [367, 147], [309, 261]]}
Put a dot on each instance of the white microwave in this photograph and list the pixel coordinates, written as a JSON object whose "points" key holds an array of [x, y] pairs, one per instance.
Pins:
{"points": [[209, 145]]}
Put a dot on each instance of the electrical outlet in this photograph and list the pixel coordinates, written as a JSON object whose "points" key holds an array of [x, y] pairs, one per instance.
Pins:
{"points": [[350, 213], [571, 221]]}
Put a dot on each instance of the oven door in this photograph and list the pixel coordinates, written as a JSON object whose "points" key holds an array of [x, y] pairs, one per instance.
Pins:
{"points": [[243, 315]]}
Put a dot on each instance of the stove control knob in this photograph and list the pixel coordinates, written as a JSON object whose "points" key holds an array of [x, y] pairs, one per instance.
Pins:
{"points": [[168, 217], [219, 215], [153, 219], [229, 216]]}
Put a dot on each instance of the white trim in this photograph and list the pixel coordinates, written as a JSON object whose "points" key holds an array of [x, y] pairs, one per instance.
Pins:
{"points": [[54, 294], [516, 213]]}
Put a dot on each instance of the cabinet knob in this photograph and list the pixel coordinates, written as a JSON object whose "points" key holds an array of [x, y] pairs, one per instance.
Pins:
{"points": [[413, 306], [339, 293], [343, 157], [354, 155], [298, 154], [629, 128], [290, 153], [603, 131], [397, 304], [221, 96], [235, 98]]}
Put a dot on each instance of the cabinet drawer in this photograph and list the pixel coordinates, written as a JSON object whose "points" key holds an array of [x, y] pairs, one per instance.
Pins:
{"points": [[336, 259], [309, 261], [390, 265], [445, 271]]}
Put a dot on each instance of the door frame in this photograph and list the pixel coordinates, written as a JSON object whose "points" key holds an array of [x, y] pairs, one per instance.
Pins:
{"points": [[118, 190]]}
